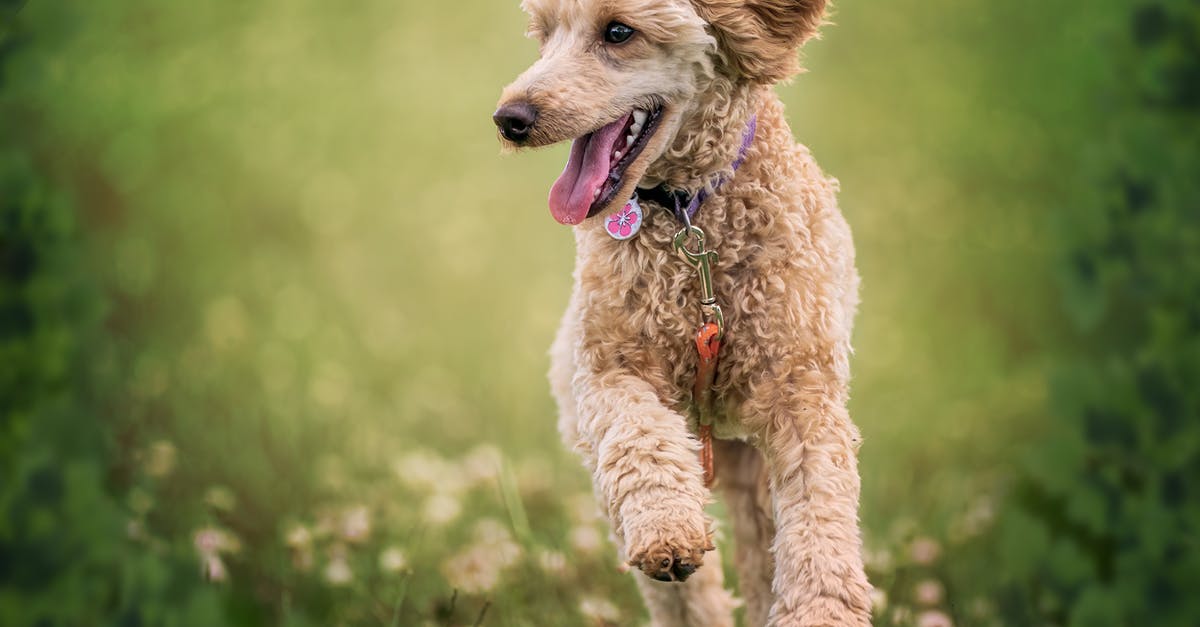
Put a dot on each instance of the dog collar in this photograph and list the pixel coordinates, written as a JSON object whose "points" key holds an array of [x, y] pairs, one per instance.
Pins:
{"points": [[684, 205]]}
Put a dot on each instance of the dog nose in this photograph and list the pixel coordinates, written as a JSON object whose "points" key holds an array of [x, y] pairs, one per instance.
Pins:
{"points": [[515, 120]]}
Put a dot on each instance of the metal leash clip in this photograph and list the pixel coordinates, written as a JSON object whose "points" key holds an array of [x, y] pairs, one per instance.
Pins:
{"points": [[703, 260]]}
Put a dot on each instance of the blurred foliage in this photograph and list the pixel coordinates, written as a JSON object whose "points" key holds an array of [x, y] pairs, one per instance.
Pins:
{"points": [[273, 315], [1106, 513], [64, 555]]}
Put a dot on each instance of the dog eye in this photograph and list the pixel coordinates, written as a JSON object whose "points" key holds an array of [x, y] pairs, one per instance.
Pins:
{"points": [[617, 33]]}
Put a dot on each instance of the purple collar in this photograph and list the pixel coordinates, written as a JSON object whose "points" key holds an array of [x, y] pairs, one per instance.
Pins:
{"points": [[683, 205]]}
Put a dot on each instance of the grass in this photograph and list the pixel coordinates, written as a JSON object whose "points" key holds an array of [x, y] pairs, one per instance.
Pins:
{"points": [[320, 267]]}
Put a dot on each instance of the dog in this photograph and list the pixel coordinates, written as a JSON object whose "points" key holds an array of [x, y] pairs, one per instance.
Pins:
{"points": [[683, 175]]}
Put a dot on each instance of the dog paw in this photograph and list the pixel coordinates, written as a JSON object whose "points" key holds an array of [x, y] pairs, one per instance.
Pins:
{"points": [[670, 551], [669, 563]]}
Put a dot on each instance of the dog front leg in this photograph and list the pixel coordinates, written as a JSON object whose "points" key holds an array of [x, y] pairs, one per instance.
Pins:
{"points": [[646, 472], [811, 450]]}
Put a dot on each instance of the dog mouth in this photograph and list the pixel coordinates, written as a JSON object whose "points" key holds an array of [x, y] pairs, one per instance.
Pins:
{"points": [[595, 171]]}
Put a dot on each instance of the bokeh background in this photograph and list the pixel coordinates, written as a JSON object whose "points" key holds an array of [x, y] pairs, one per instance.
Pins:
{"points": [[274, 315]]}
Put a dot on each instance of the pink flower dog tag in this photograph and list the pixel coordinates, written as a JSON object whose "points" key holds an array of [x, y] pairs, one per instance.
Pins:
{"points": [[625, 223]]}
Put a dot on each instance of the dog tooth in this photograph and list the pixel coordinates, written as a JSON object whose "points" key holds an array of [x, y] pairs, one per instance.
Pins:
{"points": [[630, 139], [617, 155], [635, 129], [639, 117]]}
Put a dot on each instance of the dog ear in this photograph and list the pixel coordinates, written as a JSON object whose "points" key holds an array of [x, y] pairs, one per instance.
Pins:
{"points": [[759, 38]]}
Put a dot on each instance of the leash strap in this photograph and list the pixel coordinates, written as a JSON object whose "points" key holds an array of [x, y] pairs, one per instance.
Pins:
{"points": [[708, 346]]}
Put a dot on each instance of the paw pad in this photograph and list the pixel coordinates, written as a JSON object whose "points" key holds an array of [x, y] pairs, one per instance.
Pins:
{"points": [[677, 566]]}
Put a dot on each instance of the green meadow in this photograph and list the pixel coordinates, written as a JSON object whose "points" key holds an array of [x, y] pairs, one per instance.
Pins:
{"points": [[274, 315]]}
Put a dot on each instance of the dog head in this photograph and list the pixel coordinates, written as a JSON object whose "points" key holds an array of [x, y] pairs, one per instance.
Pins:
{"points": [[617, 76]]}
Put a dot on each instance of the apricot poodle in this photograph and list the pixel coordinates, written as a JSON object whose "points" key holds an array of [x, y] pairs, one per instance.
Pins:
{"points": [[681, 150]]}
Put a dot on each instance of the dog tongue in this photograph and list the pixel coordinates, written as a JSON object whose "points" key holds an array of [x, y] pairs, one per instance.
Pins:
{"points": [[587, 169]]}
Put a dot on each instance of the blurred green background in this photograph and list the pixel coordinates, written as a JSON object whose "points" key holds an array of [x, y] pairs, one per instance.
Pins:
{"points": [[274, 315]]}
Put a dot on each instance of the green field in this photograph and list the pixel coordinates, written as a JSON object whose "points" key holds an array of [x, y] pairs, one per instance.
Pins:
{"points": [[287, 322]]}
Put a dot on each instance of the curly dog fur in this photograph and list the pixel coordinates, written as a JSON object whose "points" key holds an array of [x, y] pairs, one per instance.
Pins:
{"points": [[622, 362]]}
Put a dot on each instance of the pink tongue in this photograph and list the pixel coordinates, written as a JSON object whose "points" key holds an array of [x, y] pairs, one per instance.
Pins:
{"points": [[587, 169]]}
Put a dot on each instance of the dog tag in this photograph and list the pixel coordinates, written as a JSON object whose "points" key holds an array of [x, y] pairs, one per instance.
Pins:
{"points": [[625, 223]]}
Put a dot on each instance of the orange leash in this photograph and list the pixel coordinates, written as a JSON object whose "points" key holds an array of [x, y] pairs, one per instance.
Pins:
{"points": [[708, 346]]}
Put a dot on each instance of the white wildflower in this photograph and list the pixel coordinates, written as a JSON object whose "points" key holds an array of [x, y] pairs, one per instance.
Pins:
{"points": [[207, 541], [428, 472], [979, 516], [597, 609], [474, 570], [879, 600], [934, 618], [552, 562], [210, 540], [392, 560], [478, 567], [585, 539], [356, 524], [299, 536], [929, 592], [337, 571], [493, 537], [880, 561], [300, 540], [213, 568], [440, 509], [507, 553], [925, 551], [490, 530], [482, 465]]}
